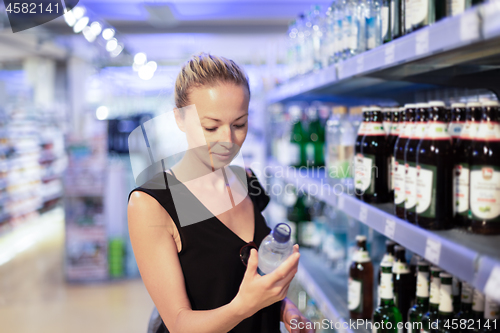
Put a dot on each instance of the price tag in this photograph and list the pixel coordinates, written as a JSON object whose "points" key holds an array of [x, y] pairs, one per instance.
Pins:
{"points": [[492, 287], [341, 202], [389, 53], [340, 71], [390, 228], [469, 26], [363, 214], [360, 64], [433, 251], [422, 42]]}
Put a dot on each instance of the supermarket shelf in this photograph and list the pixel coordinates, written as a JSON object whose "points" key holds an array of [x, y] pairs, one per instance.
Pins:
{"points": [[327, 288], [473, 258], [459, 51]]}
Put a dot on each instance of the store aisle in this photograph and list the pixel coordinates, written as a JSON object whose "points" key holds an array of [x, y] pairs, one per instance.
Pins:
{"points": [[34, 296]]}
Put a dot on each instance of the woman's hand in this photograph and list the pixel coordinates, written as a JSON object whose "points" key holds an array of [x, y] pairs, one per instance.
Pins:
{"points": [[294, 320], [257, 292]]}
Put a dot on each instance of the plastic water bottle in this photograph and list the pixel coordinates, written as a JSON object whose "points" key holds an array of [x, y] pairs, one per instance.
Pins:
{"points": [[275, 248]]}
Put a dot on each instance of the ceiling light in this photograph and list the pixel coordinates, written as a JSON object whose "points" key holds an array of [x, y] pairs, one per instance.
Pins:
{"points": [[88, 34], [78, 12], [108, 33], [116, 52], [111, 45], [140, 58], [81, 24], [69, 17], [102, 112], [96, 28]]}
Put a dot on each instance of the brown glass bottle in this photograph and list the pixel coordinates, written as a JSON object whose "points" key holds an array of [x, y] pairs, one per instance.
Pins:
{"points": [[375, 159], [484, 215], [358, 157], [421, 113], [457, 121], [391, 141], [461, 161], [404, 283], [434, 206], [407, 121], [360, 288]]}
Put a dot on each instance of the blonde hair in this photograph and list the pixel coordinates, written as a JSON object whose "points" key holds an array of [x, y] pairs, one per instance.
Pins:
{"points": [[205, 69]]}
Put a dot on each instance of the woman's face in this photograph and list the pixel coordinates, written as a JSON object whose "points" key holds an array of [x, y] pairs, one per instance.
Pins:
{"points": [[222, 112]]}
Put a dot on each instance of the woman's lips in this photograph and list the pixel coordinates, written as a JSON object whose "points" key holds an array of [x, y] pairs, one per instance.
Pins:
{"points": [[222, 157]]}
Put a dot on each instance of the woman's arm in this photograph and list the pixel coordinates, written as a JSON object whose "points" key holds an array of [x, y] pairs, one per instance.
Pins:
{"points": [[151, 230]]}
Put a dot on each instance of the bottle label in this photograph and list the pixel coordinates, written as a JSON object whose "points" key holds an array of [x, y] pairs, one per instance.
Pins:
{"points": [[491, 310], [423, 284], [445, 298], [466, 296], [434, 292], [354, 295], [455, 7], [420, 9], [306, 233], [488, 131], [408, 14], [410, 185], [469, 130], [400, 268], [461, 182], [426, 190], [395, 129], [371, 33], [353, 39], [408, 130], [294, 153], [386, 286], [437, 131], [485, 192], [362, 128], [375, 129], [391, 173], [419, 130], [387, 127], [364, 168], [361, 256], [455, 128], [399, 182], [478, 301], [385, 21]]}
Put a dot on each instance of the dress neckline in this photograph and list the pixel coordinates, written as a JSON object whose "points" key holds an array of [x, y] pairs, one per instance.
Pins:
{"points": [[215, 217]]}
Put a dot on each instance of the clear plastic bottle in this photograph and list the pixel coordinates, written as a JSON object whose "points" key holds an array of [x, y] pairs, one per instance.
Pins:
{"points": [[339, 38], [292, 49], [350, 27], [308, 43], [301, 44], [317, 34], [373, 24], [275, 248]]}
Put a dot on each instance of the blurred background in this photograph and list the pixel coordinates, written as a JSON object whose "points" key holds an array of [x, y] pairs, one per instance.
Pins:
{"points": [[74, 88]]}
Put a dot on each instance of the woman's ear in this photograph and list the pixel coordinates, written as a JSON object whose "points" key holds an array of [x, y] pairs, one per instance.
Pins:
{"points": [[179, 119]]}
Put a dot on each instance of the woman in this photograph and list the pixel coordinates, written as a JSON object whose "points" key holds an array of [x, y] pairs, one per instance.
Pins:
{"points": [[193, 271]]}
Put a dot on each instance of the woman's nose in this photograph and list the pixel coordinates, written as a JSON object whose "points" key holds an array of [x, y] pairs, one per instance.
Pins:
{"points": [[226, 136]]}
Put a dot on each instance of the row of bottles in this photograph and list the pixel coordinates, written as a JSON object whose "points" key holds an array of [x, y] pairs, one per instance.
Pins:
{"points": [[416, 297], [437, 164], [319, 38]]}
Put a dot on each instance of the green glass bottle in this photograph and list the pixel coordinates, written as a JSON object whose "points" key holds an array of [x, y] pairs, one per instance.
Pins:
{"points": [[300, 214], [465, 312], [297, 148], [404, 283], [491, 321], [478, 302], [386, 316], [360, 284], [429, 320], [315, 139], [421, 307], [445, 314], [386, 21]]}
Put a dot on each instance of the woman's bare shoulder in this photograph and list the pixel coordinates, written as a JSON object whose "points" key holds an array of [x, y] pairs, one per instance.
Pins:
{"points": [[145, 210]]}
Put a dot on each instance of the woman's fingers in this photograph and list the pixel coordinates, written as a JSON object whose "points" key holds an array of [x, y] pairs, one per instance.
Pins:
{"points": [[253, 262]]}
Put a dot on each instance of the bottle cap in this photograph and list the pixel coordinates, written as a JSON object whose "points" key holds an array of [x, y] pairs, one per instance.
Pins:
{"points": [[375, 108], [339, 110], [437, 104], [457, 105], [360, 238], [421, 105], [409, 106], [281, 232], [445, 275]]}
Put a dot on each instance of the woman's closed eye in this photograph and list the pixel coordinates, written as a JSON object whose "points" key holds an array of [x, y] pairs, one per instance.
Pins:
{"points": [[213, 129]]}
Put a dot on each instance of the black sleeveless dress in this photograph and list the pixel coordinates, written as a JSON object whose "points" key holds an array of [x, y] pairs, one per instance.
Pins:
{"points": [[210, 251]]}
